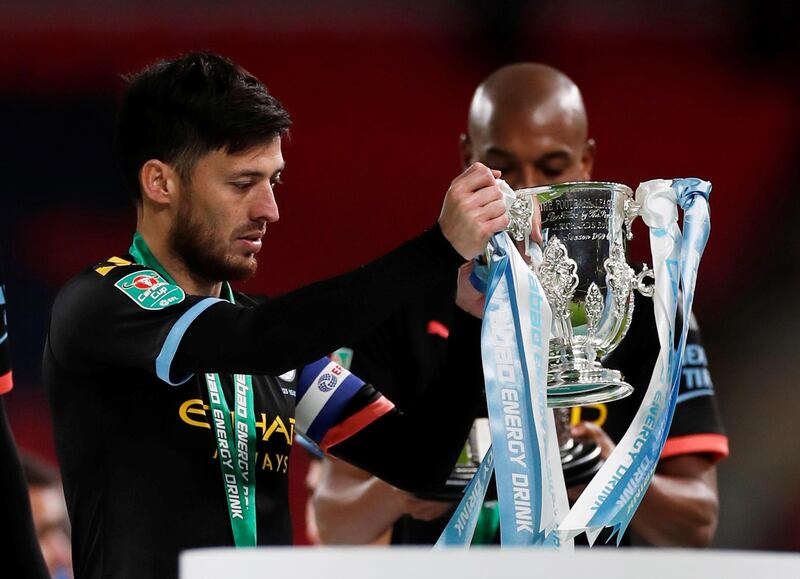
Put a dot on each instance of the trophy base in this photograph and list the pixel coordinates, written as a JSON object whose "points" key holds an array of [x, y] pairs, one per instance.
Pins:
{"points": [[578, 387]]}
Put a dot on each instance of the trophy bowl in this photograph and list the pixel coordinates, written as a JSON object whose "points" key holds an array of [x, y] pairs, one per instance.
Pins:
{"points": [[587, 280]]}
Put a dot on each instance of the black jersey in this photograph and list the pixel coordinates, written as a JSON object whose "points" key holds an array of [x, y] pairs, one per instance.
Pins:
{"points": [[413, 341], [124, 368]]}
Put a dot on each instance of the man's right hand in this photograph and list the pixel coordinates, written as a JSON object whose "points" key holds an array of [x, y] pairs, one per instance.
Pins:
{"points": [[473, 210]]}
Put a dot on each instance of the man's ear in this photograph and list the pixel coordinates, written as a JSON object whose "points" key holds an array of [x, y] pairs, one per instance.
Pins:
{"points": [[587, 159], [465, 147], [158, 182]]}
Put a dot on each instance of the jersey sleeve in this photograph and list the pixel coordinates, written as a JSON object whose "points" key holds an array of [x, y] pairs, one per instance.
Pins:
{"points": [[334, 404], [20, 551], [696, 425], [292, 330], [416, 448], [6, 382], [404, 354], [122, 317]]}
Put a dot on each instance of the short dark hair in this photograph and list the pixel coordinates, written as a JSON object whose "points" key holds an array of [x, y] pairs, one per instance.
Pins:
{"points": [[178, 110]]}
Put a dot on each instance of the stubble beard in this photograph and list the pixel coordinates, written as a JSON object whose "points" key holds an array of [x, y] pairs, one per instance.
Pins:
{"points": [[200, 247]]}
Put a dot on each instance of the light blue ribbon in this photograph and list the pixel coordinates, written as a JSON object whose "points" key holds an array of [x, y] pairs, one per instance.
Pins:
{"points": [[461, 527], [517, 462], [621, 504]]}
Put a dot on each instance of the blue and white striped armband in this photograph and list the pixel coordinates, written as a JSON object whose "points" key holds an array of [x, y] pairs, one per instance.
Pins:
{"points": [[323, 390]]}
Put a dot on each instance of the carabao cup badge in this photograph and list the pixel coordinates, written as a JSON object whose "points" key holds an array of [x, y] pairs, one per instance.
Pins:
{"points": [[149, 290]]}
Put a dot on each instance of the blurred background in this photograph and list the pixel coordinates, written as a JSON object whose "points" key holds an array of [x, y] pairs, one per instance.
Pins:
{"points": [[379, 91]]}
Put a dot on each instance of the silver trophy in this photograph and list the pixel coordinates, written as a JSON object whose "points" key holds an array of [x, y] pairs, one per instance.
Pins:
{"points": [[588, 282], [590, 287]]}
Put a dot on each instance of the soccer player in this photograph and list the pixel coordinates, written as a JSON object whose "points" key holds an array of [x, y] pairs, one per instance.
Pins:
{"points": [[528, 121], [19, 552], [175, 399]]}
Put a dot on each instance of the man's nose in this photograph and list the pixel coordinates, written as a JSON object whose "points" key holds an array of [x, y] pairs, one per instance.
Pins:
{"points": [[530, 176], [265, 206]]}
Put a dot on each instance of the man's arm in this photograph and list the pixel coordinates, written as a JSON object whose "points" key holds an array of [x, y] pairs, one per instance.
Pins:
{"points": [[352, 507], [681, 506], [416, 449], [20, 555], [20, 551], [293, 330], [205, 334]]}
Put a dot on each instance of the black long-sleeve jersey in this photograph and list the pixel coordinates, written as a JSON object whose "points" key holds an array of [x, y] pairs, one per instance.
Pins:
{"points": [[124, 365]]}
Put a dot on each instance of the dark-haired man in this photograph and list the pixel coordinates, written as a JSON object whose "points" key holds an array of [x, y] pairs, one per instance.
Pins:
{"points": [[174, 399], [528, 120]]}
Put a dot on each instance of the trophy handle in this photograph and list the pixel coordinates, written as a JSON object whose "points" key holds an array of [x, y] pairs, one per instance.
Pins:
{"points": [[632, 210], [647, 290]]}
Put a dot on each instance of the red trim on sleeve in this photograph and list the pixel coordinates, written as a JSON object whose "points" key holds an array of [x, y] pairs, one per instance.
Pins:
{"points": [[6, 383], [713, 444], [438, 329], [356, 422]]}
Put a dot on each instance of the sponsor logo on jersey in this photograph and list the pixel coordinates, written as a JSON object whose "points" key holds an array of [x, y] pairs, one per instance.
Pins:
{"points": [[149, 290], [696, 377], [327, 382], [271, 432]]}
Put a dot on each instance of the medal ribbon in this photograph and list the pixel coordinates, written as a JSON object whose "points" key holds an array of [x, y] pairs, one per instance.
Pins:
{"points": [[236, 443]]}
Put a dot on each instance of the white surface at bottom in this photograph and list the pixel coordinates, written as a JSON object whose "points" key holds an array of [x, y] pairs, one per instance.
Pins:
{"points": [[491, 562]]}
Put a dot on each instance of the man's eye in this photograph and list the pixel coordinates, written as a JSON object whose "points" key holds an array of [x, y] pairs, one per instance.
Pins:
{"points": [[275, 181], [242, 185], [551, 172]]}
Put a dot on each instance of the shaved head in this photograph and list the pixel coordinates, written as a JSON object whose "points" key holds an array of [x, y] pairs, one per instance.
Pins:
{"points": [[528, 120]]}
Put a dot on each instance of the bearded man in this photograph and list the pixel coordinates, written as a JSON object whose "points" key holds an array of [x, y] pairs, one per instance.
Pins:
{"points": [[175, 400]]}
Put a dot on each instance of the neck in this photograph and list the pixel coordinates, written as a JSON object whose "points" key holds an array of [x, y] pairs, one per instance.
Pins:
{"points": [[191, 282]]}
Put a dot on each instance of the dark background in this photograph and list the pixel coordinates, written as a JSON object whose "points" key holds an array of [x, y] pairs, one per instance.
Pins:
{"points": [[379, 92]]}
